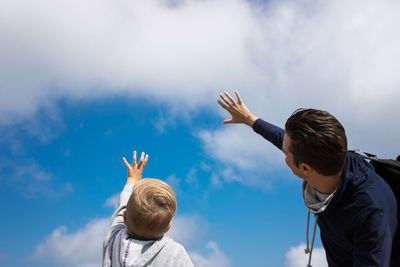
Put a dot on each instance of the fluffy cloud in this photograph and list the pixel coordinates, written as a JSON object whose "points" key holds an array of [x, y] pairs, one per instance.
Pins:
{"points": [[83, 247], [187, 229], [238, 146], [246, 158], [215, 258], [88, 49], [281, 55], [112, 201], [295, 257], [334, 56]]}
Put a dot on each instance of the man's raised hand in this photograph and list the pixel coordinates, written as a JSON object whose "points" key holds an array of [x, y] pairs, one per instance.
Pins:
{"points": [[238, 110], [135, 170]]}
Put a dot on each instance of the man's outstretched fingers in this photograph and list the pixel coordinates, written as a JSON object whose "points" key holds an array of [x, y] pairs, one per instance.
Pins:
{"points": [[230, 98], [223, 105], [225, 100], [238, 97]]}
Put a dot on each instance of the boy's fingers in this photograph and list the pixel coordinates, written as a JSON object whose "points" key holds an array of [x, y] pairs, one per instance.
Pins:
{"points": [[125, 162], [134, 158], [145, 160], [141, 161]]}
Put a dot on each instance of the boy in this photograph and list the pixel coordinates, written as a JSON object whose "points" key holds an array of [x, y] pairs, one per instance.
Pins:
{"points": [[136, 234]]}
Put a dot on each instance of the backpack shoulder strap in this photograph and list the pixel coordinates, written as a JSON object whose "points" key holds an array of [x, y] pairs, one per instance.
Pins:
{"points": [[365, 155]]}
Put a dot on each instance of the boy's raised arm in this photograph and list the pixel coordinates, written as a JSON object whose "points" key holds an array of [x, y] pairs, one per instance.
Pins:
{"points": [[135, 171], [134, 175]]}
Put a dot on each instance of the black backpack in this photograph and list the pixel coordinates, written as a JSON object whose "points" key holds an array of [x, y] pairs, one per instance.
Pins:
{"points": [[389, 170]]}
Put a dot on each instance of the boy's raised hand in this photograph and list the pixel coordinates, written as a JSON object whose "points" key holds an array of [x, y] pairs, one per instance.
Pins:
{"points": [[238, 110], [135, 170]]}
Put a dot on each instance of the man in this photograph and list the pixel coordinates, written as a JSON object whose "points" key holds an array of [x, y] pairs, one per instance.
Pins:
{"points": [[354, 207]]}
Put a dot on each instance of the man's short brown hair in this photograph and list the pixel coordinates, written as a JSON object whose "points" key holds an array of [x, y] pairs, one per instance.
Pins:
{"points": [[150, 209], [318, 139]]}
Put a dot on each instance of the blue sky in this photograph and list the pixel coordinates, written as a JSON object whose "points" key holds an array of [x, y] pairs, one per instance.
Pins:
{"points": [[84, 83], [79, 156]]}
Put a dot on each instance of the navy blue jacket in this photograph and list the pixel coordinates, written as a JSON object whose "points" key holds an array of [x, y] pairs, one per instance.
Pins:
{"points": [[358, 226]]}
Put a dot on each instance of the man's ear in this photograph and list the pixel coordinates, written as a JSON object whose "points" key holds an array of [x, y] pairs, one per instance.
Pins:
{"points": [[306, 169], [124, 216]]}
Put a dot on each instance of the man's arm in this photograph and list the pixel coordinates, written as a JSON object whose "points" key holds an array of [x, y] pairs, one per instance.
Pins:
{"points": [[241, 114], [272, 133]]}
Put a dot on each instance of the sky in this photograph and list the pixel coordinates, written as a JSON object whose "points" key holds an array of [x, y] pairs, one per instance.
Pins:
{"points": [[84, 83]]}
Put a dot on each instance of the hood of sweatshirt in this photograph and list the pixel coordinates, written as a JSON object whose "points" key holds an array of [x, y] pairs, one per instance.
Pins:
{"points": [[135, 253], [315, 201], [127, 252]]}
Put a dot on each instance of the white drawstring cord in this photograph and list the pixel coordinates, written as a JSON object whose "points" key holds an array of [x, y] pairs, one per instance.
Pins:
{"points": [[308, 250]]}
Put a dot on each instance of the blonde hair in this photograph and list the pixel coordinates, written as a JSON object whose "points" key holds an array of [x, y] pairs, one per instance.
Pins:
{"points": [[150, 209]]}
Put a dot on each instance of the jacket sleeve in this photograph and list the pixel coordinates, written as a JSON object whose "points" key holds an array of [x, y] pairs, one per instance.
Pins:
{"points": [[270, 132], [372, 242], [117, 219]]}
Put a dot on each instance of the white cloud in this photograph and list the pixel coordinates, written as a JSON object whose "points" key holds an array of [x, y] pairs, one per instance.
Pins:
{"points": [[166, 52], [83, 247], [160, 123], [187, 229], [190, 230], [281, 55], [215, 257], [295, 257], [112, 201], [238, 146], [322, 55], [241, 156]]}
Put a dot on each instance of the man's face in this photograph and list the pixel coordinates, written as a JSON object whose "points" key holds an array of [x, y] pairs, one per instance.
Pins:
{"points": [[289, 157]]}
